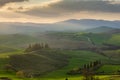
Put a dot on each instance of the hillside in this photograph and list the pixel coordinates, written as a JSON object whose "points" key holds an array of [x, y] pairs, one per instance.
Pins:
{"points": [[42, 62], [17, 40], [101, 29], [67, 25], [81, 38], [4, 49], [115, 39], [59, 39], [74, 49], [38, 62]]}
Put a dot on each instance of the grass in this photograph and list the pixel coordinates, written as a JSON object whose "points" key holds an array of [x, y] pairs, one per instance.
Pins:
{"points": [[78, 58], [113, 54], [110, 69], [3, 61], [98, 38], [78, 77], [4, 49], [17, 40], [5, 52], [44, 61], [115, 39]]}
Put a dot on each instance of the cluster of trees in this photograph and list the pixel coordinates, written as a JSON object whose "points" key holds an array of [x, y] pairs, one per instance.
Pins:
{"points": [[37, 46], [88, 70], [24, 74], [92, 66]]}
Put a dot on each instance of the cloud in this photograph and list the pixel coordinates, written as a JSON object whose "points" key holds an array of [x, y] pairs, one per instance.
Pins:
{"points": [[4, 2], [58, 10], [18, 17], [68, 7]]}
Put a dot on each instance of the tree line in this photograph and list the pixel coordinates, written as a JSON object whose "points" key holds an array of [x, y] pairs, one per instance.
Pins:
{"points": [[87, 70], [36, 46], [86, 67]]}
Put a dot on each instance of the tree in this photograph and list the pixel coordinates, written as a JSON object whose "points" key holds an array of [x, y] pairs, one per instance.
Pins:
{"points": [[66, 79], [42, 45], [20, 74], [36, 46], [91, 64], [46, 45], [88, 74], [28, 49], [85, 66], [8, 67]]}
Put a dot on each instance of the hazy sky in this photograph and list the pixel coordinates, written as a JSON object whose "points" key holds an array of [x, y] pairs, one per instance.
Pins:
{"points": [[49, 11]]}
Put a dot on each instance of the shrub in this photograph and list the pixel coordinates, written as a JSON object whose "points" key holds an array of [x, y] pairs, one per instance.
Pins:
{"points": [[20, 74]]}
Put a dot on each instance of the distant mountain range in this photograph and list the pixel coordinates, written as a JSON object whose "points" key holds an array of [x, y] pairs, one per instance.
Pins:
{"points": [[90, 23], [68, 25]]}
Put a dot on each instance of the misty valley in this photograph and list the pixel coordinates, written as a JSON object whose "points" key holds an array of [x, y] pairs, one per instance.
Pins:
{"points": [[42, 53]]}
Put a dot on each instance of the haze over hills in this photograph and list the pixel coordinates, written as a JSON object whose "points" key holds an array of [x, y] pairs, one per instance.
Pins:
{"points": [[68, 25], [101, 29], [59, 40]]}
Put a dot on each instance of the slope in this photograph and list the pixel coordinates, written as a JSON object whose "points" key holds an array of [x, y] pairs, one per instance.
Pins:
{"points": [[38, 62], [100, 29], [17, 40]]}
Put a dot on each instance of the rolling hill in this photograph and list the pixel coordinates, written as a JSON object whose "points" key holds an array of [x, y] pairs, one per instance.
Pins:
{"points": [[39, 62], [115, 39], [101, 29], [4, 49], [44, 61], [68, 25], [17, 40]]}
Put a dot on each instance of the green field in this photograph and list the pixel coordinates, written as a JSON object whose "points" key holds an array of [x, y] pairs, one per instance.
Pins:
{"points": [[77, 58], [115, 39], [110, 69], [17, 40]]}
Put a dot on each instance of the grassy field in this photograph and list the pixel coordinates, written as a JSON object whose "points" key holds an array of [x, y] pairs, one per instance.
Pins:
{"points": [[5, 51], [97, 38], [78, 59], [115, 39], [17, 40], [110, 69], [102, 77]]}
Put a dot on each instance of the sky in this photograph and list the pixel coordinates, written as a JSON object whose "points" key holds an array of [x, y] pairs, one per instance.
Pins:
{"points": [[51, 11]]}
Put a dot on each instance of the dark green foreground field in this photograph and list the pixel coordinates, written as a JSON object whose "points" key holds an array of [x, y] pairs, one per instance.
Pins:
{"points": [[78, 58]]}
